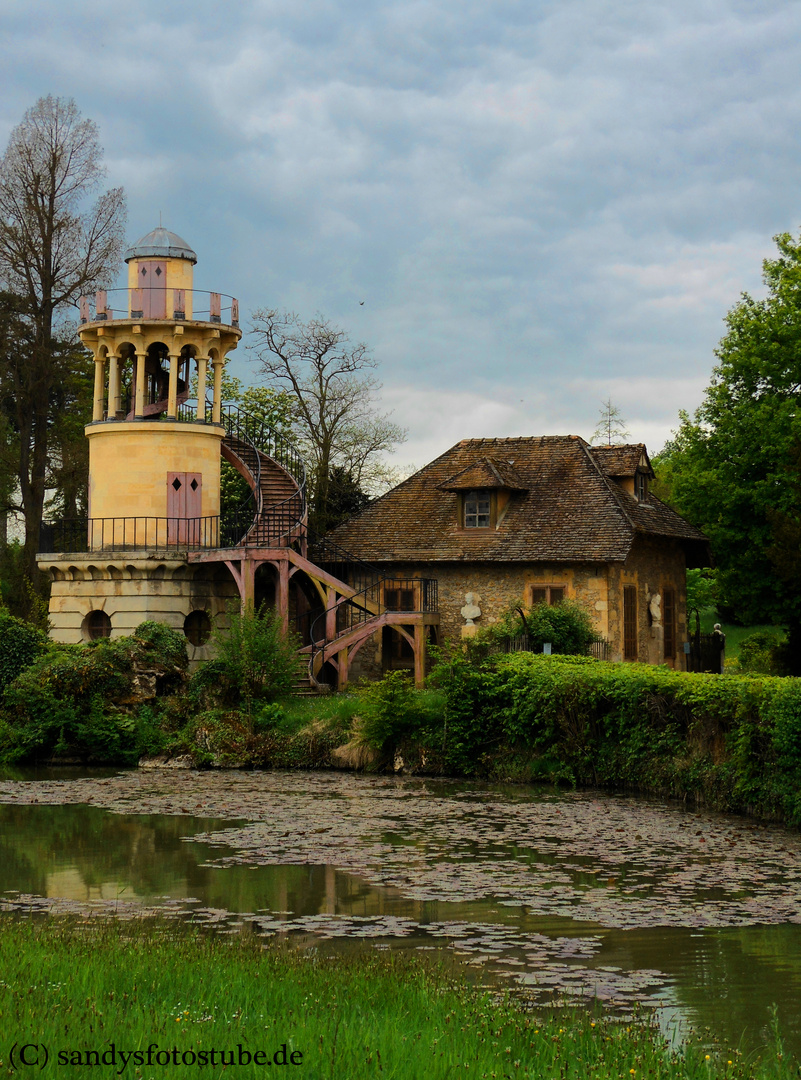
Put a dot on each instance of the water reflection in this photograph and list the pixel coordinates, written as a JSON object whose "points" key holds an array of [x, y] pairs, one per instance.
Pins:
{"points": [[726, 977]]}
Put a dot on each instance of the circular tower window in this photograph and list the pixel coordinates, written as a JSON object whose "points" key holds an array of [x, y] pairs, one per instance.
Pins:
{"points": [[97, 625], [197, 627]]}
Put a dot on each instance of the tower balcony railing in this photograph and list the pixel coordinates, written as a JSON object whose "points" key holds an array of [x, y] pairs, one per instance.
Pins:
{"points": [[171, 305], [86, 535], [235, 529]]}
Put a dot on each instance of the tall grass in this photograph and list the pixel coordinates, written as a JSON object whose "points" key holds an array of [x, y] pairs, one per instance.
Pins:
{"points": [[74, 988]]}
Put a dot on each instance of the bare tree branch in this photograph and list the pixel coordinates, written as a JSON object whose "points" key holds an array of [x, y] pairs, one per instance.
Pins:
{"points": [[329, 378], [54, 245]]}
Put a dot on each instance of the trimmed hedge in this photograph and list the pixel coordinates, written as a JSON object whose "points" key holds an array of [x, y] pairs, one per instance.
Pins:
{"points": [[732, 742]]}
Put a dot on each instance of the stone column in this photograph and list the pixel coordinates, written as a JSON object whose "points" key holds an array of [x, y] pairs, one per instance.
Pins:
{"points": [[113, 386], [172, 393], [100, 389], [139, 408], [216, 411], [202, 362]]}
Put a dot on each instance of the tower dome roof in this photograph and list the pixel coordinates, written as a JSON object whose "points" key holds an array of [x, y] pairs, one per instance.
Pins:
{"points": [[160, 243]]}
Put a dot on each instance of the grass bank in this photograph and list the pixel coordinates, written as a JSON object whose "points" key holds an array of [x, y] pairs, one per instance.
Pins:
{"points": [[122, 989]]}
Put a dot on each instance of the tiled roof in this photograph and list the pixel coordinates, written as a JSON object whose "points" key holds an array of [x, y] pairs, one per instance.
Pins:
{"points": [[570, 511], [620, 460]]}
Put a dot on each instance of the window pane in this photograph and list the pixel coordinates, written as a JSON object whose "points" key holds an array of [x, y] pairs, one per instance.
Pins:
{"points": [[539, 596], [476, 510], [669, 622], [557, 594]]}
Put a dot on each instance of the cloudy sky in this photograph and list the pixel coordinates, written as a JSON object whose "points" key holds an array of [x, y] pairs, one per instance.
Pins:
{"points": [[541, 203]]}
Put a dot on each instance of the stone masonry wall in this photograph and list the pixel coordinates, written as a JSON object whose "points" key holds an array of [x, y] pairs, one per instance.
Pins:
{"points": [[502, 585], [651, 566]]}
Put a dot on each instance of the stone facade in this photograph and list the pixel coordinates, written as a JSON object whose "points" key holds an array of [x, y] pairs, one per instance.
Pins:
{"points": [[651, 567], [132, 589]]}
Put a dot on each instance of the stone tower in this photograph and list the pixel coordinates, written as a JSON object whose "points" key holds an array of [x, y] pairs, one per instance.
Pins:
{"points": [[155, 544], [154, 453]]}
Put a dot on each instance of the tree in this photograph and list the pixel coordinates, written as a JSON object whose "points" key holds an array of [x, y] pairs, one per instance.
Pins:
{"points": [[611, 427], [345, 497], [333, 404], [54, 246], [734, 464]]}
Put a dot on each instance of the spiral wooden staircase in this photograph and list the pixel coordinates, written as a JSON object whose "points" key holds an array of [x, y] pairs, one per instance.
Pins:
{"points": [[355, 600]]}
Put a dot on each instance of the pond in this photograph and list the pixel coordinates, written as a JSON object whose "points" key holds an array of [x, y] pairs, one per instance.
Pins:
{"points": [[578, 895]]}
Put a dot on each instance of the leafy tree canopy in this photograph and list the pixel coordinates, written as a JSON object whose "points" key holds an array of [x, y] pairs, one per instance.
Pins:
{"points": [[60, 236], [734, 467]]}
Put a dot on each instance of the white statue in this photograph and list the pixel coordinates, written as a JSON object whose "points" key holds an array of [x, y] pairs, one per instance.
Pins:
{"points": [[471, 610], [655, 607]]}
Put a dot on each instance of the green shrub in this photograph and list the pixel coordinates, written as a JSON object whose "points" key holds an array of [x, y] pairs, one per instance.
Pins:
{"points": [[758, 653], [58, 704], [567, 626], [20, 645], [81, 700], [389, 710], [156, 644], [256, 660], [473, 695], [733, 742]]}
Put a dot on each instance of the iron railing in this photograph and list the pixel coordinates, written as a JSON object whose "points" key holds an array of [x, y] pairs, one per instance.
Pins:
{"points": [[524, 643], [343, 564], [128, 534], [240, 528], [274, 523], [160, 303]]}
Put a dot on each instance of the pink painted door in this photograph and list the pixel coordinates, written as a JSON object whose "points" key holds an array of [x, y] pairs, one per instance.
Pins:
{"points": [[183, 507], [153, 283]]}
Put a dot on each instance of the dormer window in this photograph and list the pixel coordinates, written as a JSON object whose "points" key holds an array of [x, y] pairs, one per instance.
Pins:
{"points": [[641, 486], [484, 490], [477, 509]]}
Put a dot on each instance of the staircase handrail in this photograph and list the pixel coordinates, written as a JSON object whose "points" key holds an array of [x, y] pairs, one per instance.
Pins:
{"points": [[361, 602], [321, 546], [263, 439]]}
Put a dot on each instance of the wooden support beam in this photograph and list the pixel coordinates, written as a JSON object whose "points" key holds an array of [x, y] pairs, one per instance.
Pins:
{"points": [[419, 655], [331, 614], [245, 577], [342, 669], [282, 597]]}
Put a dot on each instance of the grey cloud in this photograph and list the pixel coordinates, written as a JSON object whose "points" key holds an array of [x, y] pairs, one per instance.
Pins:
{"points": [[523, 193]]}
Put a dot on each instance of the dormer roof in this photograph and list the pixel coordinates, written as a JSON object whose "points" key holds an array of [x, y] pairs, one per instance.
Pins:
{"points": [[620, 461], [485, 474], [569, 508]]}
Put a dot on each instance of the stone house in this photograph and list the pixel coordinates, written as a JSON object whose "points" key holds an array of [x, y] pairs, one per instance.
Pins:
{"points": [[522, 521]]}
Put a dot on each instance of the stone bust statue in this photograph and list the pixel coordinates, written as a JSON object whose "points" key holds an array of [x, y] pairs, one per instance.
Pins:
{"points": [[471, 611], [655, 607]]}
